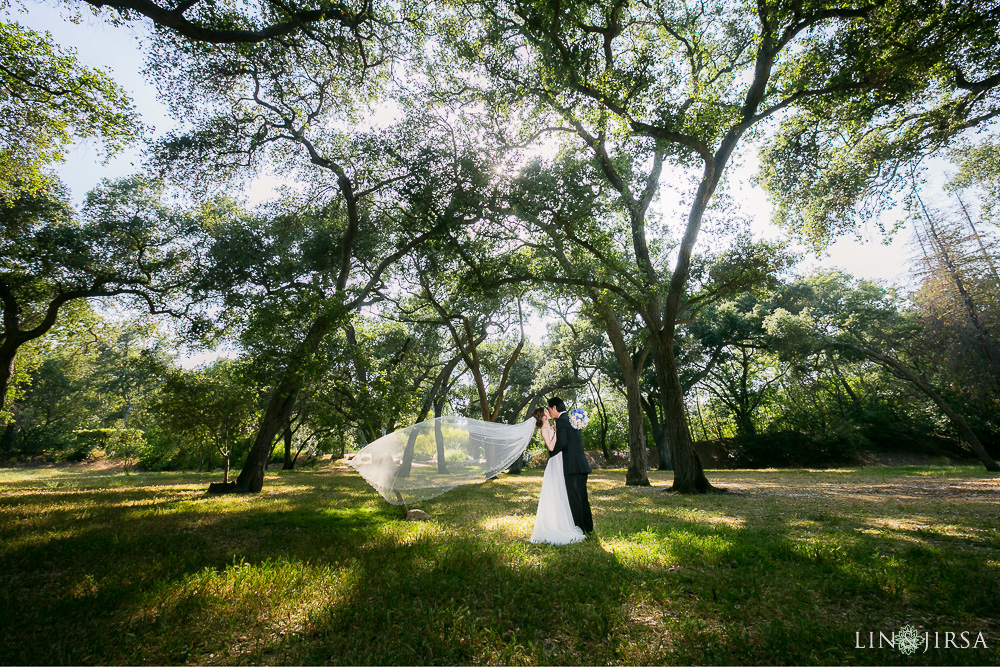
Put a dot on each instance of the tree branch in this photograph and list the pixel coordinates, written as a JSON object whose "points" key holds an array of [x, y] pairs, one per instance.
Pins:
{"points": [[175, 20]]}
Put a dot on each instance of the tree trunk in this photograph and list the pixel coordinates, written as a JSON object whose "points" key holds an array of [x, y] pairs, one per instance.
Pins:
{"points": [[638, 460], [436, 400], [855, 401], [517, 466], [404, 467], [979, 239], [659, 436], [604, 436], [439, 437], [289, 464], [742, 409], [701, 420], [6, 375], [604, 421], [956, 419], [305, 441], [225, 474], [689, 476], [279, 409], [7, 439], [983, 334], [663, 450]]}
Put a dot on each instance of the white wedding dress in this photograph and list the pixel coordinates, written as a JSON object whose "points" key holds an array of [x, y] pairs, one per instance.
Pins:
{"points": [[554, 520]]}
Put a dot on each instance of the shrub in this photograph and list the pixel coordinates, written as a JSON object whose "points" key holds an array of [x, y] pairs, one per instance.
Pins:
{"points": [[839, 444], [126, 445], [795, 448], [537, 459], [455, 456], [88, 440], [83, 451]]}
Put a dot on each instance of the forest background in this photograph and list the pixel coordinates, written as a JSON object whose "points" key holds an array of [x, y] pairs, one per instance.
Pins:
{"points": [[446, 176]]}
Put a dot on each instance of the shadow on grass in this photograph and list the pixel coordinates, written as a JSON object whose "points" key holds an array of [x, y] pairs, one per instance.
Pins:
{"points": [[320, 570]]}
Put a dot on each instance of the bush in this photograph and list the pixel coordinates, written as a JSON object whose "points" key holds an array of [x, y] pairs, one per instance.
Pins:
{"points": [[162, 451], [886, 430], [83, 451], [126, 445], [796, 449], [457, 456], [536, 459], [840, 444], [55, 442], [87, 441], [766, 450]]}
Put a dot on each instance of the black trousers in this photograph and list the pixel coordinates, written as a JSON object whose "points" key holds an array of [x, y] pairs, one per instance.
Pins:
{"points": [[579, 505]]}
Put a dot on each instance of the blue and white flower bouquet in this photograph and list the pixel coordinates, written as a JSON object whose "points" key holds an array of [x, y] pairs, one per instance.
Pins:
{"points": [[578, 419]]}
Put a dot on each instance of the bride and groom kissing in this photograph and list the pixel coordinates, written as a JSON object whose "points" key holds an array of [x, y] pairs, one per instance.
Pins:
{"points": [[563, 514]]}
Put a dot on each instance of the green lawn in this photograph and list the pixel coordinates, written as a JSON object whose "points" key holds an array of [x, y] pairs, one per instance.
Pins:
{"points": [[787, 568]]}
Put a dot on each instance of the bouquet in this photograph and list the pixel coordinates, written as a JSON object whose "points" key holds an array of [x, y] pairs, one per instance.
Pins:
{"points": [[578, 419]]}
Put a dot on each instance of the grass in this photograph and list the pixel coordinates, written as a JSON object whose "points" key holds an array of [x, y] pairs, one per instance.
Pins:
{"points": [[787, 568]]}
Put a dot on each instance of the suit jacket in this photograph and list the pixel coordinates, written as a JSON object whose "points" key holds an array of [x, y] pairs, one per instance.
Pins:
{"points": [[570, 443]]}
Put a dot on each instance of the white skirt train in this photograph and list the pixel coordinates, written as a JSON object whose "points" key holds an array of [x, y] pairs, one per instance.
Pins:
{"points": [[554, 520]]}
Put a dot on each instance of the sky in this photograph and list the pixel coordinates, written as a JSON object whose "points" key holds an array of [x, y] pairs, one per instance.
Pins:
{"points": [[115, 50]]}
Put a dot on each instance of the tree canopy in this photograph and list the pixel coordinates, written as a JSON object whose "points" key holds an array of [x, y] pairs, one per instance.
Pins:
{"points": [[47, 99], [449, 173], [123, 243]]}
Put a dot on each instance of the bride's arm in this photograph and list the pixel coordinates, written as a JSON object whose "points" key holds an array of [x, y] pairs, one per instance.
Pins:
{"points": [[549, 437]]}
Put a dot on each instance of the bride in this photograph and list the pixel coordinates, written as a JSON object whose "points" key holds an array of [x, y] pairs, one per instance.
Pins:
{"points": [[553, 519]]}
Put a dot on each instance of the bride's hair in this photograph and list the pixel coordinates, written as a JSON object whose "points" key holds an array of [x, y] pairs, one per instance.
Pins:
{"points": [[537, 414]]}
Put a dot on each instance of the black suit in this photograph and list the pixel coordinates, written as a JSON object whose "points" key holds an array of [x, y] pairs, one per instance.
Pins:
{"points": [[575, 469]]}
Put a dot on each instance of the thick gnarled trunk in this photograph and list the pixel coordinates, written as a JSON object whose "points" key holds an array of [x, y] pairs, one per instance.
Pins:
{"points": [[276, 415], [280, 406], [689, 476]]}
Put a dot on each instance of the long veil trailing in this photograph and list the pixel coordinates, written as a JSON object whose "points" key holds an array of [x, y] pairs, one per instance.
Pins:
{"points": [[427, 459]]}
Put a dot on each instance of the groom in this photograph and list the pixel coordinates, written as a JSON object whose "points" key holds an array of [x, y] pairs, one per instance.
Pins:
{"points": [[575, 466]]}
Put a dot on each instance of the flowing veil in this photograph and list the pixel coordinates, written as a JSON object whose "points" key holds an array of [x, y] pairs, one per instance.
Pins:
{"points": [[427, 459]]}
